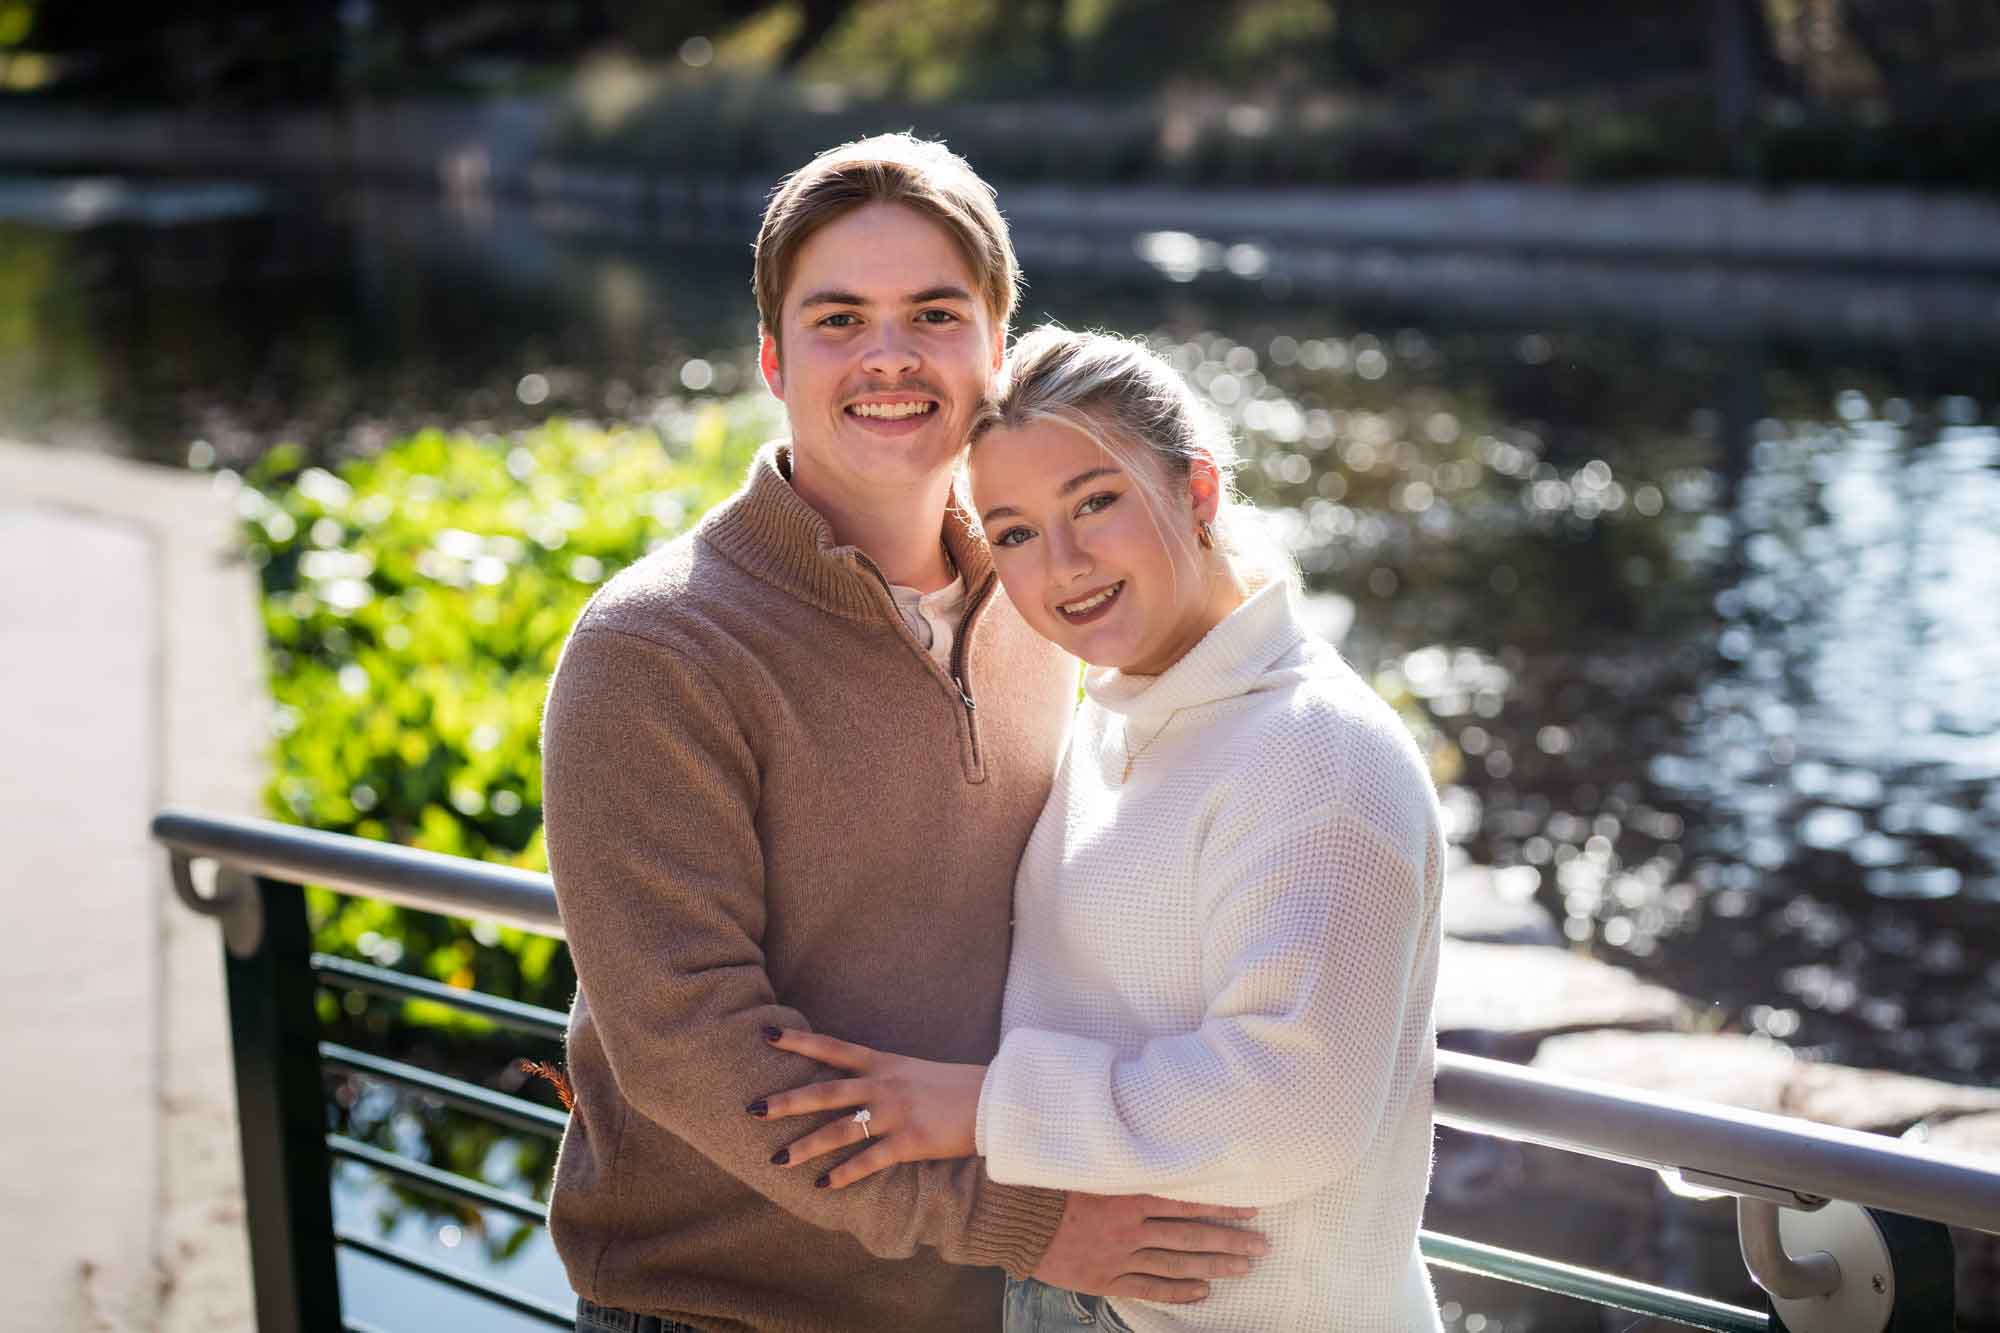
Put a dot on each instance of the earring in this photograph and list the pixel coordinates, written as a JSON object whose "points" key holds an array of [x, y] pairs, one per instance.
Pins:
{"points": [[1205, 534]]}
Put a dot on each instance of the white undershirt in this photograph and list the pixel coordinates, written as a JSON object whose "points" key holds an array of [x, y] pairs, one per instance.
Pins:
{"points": [[933, 616]]}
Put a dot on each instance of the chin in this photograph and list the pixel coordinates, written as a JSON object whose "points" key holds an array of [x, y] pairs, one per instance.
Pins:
{"points": [[912, 456], [1107, 656]]}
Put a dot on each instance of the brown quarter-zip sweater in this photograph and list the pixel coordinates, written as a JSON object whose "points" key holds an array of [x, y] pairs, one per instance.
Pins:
{"points": [[767, 803]]}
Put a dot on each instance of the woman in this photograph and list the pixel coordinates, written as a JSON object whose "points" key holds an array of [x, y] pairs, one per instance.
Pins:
{"points": [[1226, 930]]}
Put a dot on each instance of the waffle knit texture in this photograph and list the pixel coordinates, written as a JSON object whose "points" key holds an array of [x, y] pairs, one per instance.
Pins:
{"points": [[767, 803], [1223, 971]]}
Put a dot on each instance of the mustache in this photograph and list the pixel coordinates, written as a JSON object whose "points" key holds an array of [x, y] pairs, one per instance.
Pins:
{"points": [[915, 384]]}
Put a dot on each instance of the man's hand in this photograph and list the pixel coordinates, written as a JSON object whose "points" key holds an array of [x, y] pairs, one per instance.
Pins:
{"points": [[1147, 1248]]}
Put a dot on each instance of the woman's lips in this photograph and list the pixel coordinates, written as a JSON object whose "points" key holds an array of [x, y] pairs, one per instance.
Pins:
{"points": [[1091, 607]]}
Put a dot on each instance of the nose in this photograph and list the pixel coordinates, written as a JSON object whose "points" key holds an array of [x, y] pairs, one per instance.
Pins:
{"points": [[892, 353], [1069, 560]]}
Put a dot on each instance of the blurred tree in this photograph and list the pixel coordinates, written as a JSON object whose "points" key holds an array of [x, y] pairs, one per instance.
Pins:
{"points": [[195, 49], [820, 18], [1915, 46], [649, 29], [1743, 58], [1532, 45]]}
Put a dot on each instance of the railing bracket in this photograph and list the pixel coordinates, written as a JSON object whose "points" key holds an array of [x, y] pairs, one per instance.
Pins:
{"points": [[235, 903], [1826, 1271], [1693, 1184]]}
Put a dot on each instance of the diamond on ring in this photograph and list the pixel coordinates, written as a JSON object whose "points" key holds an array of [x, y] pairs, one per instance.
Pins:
{"points": [[862, 1117]]}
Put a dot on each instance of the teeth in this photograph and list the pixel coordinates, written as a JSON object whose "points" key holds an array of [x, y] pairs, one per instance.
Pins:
{"points": [[890, 411], [1090, 604]]}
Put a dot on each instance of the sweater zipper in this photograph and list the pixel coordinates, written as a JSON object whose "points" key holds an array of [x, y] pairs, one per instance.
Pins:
{"points": [[958, 672], [960, 652]]}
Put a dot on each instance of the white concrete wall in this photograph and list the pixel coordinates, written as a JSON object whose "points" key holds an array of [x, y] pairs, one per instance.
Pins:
{"points": [[130, 677]]}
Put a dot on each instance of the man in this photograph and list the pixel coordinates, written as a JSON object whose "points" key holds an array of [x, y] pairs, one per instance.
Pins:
{"points": [[790, 762]]}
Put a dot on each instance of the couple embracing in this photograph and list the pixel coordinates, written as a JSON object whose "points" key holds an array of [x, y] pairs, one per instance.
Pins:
{"points": [[901, 970]]}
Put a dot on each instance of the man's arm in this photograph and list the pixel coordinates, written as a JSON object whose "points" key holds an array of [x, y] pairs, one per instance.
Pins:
{"points": [[649, 794]]}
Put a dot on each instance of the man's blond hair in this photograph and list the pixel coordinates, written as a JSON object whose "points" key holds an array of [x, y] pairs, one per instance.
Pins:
{"points": [[886, 169]]}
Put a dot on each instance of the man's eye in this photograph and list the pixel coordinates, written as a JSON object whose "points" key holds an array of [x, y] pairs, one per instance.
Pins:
{"points": [[1102, 500], [938, 317], [839, 321]]}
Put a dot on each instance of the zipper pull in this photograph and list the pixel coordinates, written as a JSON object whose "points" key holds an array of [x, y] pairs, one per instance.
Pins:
{"points": [[966, 698]]}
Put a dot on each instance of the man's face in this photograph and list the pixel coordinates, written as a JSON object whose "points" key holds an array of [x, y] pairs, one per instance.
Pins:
{"points": [[888, 350]]}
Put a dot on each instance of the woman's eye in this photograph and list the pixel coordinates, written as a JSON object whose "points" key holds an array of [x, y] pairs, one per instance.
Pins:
{"points": [[1012, 537], [1102, 500]]}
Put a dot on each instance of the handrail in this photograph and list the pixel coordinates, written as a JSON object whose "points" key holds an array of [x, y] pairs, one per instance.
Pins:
{"points": [[347, 974], [406, 876], [1605, 1289], [1750, 1148], [514, 1112], [520, 1302], [1488, 1096], [435, 1180]]}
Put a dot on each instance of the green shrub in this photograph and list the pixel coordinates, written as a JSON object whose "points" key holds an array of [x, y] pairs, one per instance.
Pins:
{"points": [[415, 602]]}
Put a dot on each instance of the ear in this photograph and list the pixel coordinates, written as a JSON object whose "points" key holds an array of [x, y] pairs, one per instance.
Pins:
{"points": [[767, 363], [999, 349], [1204, 487]]}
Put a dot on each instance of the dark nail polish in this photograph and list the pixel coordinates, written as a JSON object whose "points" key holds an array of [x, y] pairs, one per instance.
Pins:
{"points": [[758, 1108], [822, 1182], [772, 1034], [782, 1157]]}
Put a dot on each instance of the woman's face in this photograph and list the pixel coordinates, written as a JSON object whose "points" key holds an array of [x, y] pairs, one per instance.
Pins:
{"points": [[1083, 556]]}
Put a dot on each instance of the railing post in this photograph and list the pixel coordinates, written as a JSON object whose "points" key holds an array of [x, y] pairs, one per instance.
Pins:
{"points": [[280, 1111]]}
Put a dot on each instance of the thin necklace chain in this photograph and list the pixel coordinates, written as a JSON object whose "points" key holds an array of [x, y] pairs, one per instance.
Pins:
{"points": [[1132, 755]]}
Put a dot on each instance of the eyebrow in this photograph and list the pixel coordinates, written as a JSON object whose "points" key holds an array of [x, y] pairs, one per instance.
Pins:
{"points": [[1067, 488], [944, 292], [835, 296]]}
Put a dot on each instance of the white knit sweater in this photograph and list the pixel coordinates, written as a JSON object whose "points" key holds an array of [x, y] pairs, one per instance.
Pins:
{"points": [[1223, 969]]}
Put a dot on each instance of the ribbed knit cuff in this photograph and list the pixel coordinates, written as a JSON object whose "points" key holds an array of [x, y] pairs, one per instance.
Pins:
{"points": [[1010, 1227]]}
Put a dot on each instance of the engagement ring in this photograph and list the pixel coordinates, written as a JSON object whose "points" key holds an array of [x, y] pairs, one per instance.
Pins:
{"points": [[862, 1117]]}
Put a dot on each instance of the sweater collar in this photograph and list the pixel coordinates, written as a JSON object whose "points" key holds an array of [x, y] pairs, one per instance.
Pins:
{"points": [[1233, 658], [775, 535]]}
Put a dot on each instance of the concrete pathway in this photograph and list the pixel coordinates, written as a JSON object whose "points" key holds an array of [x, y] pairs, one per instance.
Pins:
{"points": [[129, 677]]}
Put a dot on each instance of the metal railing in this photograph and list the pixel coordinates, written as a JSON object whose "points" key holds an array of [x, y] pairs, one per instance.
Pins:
{"points": [[1845, 1231]]}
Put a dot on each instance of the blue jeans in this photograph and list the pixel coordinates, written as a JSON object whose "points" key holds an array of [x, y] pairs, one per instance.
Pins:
{"points": [[1036, 1307], [593, 1318]]}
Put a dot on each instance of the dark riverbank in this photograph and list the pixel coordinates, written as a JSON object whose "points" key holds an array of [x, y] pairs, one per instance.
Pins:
{"points": [[515, 148]]}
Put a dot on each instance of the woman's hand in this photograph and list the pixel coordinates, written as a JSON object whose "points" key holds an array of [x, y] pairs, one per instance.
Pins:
{"points": [[918, 1110]]}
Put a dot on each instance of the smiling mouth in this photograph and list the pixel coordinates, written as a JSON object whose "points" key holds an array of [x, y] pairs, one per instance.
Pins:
{"points": [[891, 411], [1085, 609]]}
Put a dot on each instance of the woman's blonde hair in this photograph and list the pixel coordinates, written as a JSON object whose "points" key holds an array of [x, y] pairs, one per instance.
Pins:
{"points": [[1124, 397]]}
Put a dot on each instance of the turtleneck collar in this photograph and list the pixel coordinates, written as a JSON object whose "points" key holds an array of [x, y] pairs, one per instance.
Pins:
{"points": [[772, 533], [1231, 659]]}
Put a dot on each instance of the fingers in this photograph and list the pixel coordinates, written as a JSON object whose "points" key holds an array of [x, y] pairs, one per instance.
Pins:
{"points": [[841, 1133], [1201, 1238], [1158, 1207], [827, 1050], [839, 1095], [1178, 1264], [1168, 1291], [860, 1166]]}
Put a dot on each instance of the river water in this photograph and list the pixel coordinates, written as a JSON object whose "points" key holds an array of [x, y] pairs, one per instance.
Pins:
{"points": [[1689, 577]]}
